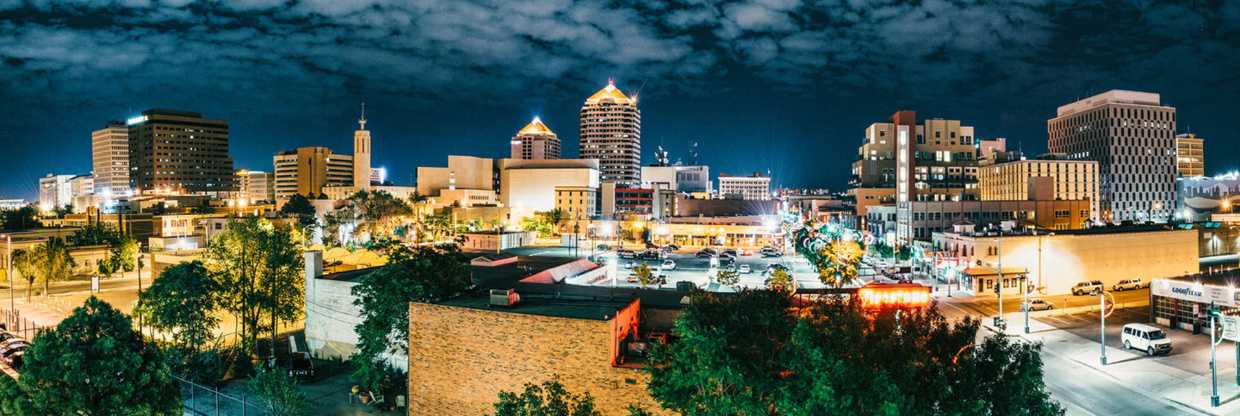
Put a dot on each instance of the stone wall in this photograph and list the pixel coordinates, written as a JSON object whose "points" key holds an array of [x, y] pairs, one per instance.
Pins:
{"points": [[461, 358]]}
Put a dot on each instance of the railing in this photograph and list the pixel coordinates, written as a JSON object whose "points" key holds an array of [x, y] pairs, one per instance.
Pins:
{"points": [[16, 324], [198, 399]]}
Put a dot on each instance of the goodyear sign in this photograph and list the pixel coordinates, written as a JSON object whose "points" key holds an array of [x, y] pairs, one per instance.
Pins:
{"points": [[1196, 292]]}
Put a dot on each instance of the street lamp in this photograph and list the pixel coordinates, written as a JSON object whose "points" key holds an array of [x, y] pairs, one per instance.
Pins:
{"points": [[1214, 313]]}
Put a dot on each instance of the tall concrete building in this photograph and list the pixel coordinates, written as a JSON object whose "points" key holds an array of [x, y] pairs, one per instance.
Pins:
{"points": [[307, 170], [178, 151], [530, 186], [611, 132], [535, 141], [462, 172], [255, 186], [109, 155], [903, 160], [1132, 136], [1190, 155], [678, 178], [361, 154]]}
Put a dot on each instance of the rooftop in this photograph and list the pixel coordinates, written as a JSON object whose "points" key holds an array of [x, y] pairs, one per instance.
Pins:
{"points": [[536, 127], [1110, 97], [591, 308], [610, 94]]}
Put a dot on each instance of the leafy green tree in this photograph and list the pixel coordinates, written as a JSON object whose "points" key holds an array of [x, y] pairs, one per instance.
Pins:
{"points": [[728, 277], [420, 274], [27, 262], [838, 263], [780, 281], [107, 267], [541, 223], [55, 263], [20, 219], [299, 207], [261, 265], [644, 275], [549, 399], [124, 252], [749, 354], [182, 302], [93, 363], [94, 234], [278, 392]]}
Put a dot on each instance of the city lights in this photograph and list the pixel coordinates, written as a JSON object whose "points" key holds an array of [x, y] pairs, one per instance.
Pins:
{"points": [[877, 295]]}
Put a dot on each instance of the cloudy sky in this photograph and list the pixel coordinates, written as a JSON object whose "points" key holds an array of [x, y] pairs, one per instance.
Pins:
{"points": [[784, 85]]}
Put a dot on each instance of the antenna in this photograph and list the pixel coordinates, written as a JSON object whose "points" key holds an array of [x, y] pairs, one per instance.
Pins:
{"points": [[362, 121]]}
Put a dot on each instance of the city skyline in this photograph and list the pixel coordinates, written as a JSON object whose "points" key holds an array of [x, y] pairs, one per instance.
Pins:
{"points": [[726, 76]]}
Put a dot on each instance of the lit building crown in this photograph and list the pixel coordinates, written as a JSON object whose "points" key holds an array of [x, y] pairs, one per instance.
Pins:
{"points": [[535, 127], [610, 93]]}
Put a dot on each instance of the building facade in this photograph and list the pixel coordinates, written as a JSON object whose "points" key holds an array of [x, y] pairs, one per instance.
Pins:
{"points": [[462, 172], [611, 132], [1132, 137], [1199, 197], [307, 170], [530, 186], [1190, 155], [906, 160], [922, 219], [179, 151], [754, 187], [255, 186], [361, 155], [1041, 179], [678, 178], [535, 141], [55, 192], [109, 154], [577, 202]]}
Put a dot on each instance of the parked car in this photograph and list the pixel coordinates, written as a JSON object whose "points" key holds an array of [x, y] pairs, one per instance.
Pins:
{"points": [[13, 346], [1146, 338], [1039, 305], [670, 248], [1128, 284], [744, 269], [1087, 287], [15, 360], [650, 255], [771, 252], [669, 264], [773, 267], [5, 336], [300, 366], [730, 252], [626, 254], [602, 247], [725, 259], [706, 252]]}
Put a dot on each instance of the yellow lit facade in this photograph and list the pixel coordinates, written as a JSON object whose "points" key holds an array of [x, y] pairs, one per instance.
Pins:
{"points": [[1065, 180]]}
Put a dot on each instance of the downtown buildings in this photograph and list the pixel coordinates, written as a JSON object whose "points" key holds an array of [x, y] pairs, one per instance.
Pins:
{"points": [[535, 141], [109, 153], [1132, 137], [1190, 155], [179, 152], [310, 171], [611, 132]]}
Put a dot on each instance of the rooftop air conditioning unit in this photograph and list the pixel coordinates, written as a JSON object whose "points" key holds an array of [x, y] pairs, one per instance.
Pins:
{"points": [[504, 297]]}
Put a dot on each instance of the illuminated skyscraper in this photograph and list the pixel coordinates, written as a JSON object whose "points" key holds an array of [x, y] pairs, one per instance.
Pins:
{"points": [[535, 141], [110, 158], [611, 132], [178, 151]]}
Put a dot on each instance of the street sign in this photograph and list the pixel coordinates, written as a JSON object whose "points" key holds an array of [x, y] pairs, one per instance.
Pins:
{"points": [[1231, 328], [94, 284]]}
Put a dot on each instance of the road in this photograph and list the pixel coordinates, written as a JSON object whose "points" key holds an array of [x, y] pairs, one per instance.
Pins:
{"points": [[1085, 391], [990, 306]]}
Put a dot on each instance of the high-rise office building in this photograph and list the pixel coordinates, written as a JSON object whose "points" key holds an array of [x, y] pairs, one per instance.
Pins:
{"points": [[903, 160], [535, 141], [1190, 155], [307, 170], [1132, 136], [1049, 177], [55, 192], [179, 151], [109, 154], [255, 186], [361, 154], [611, 132], [750, 188]]}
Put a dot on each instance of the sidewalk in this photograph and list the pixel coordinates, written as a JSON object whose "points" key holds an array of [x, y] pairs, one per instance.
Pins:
{"points": [[1155, 380]]}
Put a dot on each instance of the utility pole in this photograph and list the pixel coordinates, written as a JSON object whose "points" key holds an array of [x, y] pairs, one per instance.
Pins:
{"points": [[999, 321], [1214, 312], [1025, 290], [1102, 329], [8, 259]]}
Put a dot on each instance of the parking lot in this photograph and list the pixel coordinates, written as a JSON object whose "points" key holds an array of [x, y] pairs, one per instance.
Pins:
{"points": [[689, 267]]}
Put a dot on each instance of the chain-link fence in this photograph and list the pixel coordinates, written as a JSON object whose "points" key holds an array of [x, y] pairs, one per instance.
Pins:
{"points": [[14, 323], [206, 401]]}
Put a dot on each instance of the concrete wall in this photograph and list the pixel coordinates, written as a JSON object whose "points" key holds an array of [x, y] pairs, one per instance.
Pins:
{"points": [[461, 358], [331, 316]]}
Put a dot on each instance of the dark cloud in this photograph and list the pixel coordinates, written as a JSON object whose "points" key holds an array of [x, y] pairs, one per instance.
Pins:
{"points": [[285, 71]]}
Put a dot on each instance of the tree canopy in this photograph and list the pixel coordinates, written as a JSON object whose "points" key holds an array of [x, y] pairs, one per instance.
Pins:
{"points": [[93, 363], [182, 302], [548, 399], [420, 274], [756, 353], [260, 264], [20, 219]]}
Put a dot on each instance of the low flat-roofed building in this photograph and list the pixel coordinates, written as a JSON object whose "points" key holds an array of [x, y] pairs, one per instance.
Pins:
{"points": [[1184, 301], [921, 219], [1057, 260]]}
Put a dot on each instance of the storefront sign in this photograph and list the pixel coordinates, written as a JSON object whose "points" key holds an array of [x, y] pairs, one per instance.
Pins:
{"points": [[1204, 294], [1231, 328]]}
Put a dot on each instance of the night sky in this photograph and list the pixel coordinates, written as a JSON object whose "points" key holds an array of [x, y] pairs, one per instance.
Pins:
{"points": [[783, 85]]}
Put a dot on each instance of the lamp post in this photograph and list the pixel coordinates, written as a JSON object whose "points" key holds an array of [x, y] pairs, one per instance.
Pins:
{"points": [[999, 321], [8, 260], [1024, 288], [1102, 328], [1214, 312]]}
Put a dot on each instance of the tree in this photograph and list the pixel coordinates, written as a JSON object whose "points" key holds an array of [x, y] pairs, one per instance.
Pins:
{"points": [[420, 274], [644, 275], [278, 392], [838, 262], [124, 252], [754, 353], [94, 234], [182, 301], [298, 206], [261, 265], [107, 267], [203, 207], [541, 222], [27, 261], [549, 399], [20, 219], [53, 262], [728, 277], [94, 363], [780, 281]]}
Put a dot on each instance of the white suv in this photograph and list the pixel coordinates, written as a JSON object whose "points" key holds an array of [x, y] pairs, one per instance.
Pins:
{"points": [[1147, 338], [1086, 287], [1128, 284]]}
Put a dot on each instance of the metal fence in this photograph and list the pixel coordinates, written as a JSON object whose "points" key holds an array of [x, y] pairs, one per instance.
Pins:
{"points": [[203, 400], [24, 328]]}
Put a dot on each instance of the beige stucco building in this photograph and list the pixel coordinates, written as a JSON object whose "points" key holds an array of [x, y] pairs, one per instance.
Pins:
{"points": [[535, 141], [529, 186], [307, 170], [462, 172], [1190, 155], [1056, 261]]}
